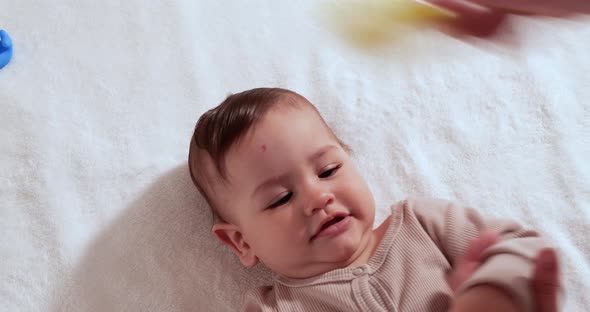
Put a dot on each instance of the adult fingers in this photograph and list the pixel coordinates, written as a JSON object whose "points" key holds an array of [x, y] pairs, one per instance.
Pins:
{"points": [[541, 7], [473, 18], [461, 7]]}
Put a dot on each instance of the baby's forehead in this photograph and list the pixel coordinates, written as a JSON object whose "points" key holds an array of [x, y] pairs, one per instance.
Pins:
{"points": [[273, 126]]}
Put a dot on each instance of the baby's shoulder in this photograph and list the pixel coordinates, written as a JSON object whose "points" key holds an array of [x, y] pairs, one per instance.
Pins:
{"points": [[417, 204]]}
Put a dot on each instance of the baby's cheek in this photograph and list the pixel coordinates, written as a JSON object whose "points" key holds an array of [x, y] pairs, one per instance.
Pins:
{"points": [[279, 232], [358, 199]]}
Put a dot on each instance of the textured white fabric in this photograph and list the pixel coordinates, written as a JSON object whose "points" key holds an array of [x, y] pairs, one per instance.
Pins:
{"points": [[97, 106]]}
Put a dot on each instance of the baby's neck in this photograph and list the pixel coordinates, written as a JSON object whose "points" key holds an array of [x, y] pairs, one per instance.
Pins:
{"points": [[372, 245], [364, 256]]}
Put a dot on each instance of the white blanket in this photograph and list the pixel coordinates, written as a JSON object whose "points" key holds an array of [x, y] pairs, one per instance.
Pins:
{"points": [[97, 107]]}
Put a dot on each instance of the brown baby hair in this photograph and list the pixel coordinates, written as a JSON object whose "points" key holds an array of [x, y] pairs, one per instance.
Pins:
{"points": [[218, 129]]}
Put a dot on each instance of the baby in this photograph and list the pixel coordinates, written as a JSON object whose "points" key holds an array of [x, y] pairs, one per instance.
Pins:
{"points": [[286, 192]]}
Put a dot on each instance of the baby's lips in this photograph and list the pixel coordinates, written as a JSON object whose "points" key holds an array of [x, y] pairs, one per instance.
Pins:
{"points": [[472, 18]]}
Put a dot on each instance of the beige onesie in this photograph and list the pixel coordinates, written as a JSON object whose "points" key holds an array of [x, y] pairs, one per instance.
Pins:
{"points": [[408, 270]]}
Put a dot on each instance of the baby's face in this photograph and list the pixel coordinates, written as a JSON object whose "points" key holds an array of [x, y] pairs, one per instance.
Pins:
{"points": [[296, 197]]}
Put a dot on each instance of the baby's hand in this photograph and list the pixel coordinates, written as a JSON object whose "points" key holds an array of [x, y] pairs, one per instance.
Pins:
{"points": [[544, 283], [471, 260], [478, 298]]}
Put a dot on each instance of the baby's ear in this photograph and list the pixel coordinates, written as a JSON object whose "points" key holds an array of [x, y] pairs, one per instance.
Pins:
{"points": [[231, 236]]}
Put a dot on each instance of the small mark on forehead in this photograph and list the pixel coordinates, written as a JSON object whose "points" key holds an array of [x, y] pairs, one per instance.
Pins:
{"points": [[263, 147]]}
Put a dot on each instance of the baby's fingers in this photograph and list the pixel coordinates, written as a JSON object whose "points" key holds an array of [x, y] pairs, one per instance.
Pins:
{"points": [[545, 281]]}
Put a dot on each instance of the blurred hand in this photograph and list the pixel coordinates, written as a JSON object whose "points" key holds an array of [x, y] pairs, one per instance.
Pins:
{"points": [[544, 282], [467, 264], [482, 17], [540, 7]]}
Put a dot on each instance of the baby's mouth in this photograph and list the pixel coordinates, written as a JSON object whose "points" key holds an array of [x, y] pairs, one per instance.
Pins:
{"points": [[328, 224], [333, 221]]}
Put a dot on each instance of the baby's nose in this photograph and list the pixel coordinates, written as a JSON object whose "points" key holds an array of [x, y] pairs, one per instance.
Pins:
{"points": [[318, 202]]}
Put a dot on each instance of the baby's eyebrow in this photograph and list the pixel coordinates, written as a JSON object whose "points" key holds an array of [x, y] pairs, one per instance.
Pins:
{"points": [[268, 182], [322, 151]]}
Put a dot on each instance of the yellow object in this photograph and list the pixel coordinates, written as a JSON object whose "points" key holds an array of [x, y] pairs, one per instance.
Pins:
{"points": [[371, 22]]}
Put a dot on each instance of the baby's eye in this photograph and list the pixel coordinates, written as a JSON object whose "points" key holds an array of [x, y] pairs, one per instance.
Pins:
{"points": [[329, 172], [281, 201]]}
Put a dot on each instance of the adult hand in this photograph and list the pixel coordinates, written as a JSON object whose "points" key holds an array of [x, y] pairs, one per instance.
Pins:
{"points": [[483, 17], [541, 7], [473, 18]]}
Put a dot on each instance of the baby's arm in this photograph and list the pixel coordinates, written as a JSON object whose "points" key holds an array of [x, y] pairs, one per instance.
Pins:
{"points": [[484, 298], [507, 266]]}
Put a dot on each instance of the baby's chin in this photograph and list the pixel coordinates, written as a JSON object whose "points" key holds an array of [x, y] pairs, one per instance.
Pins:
{"points": [[331, 253], [341, 252]]}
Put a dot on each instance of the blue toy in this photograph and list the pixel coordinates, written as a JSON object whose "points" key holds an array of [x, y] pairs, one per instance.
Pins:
{"points": [[5, 48]]}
